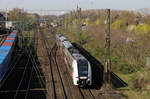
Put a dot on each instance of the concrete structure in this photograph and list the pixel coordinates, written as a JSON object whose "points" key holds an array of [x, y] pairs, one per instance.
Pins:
{"points": [[9, 24]]}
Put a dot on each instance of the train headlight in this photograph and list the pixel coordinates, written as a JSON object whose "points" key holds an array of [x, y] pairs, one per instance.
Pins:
{"points": [[88, 81]]}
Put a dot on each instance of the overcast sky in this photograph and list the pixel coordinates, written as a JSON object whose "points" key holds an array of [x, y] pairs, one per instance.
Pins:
{"points": [[71, 4]]}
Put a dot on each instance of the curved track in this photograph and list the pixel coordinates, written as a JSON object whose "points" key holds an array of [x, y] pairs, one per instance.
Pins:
{"points": [[58, 87]]}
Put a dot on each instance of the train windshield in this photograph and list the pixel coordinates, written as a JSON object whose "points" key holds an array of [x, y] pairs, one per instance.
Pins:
{"points": [[83, 68]]}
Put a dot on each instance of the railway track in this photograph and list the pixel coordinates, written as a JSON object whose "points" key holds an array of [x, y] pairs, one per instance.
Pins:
{"points": [[22, 79], [49, 64], [25, 79], [57, 84]]}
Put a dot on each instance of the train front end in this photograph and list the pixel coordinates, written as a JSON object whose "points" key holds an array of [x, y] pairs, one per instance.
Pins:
{"points": [[82, 73]]}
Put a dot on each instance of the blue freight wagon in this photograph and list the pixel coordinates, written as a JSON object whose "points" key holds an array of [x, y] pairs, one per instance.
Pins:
{"points": [[6, 53]]}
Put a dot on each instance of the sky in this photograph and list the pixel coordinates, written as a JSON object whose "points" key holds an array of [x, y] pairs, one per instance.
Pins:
{"points": [[72, 4]]}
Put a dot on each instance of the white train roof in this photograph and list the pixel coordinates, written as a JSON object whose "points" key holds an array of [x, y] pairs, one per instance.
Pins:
{"points": [[73, 50], [62, 38], [67, 44], [78, 56]]}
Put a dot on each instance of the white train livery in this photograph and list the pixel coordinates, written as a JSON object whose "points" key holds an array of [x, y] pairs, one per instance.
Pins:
{"points": [[78, 66]]}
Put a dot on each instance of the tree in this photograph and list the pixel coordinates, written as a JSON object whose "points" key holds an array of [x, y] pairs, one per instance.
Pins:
{"points": [[14, 15]]}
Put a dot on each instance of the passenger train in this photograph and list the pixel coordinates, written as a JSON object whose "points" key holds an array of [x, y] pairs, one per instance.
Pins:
{"points": [[78, 66]]}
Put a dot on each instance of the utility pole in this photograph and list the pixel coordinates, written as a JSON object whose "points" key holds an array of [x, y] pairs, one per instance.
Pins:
{"points": [[6, 15], [65, 23], [79, 24], [107, 67], [71, 22], [6, 21], [23, 27]]}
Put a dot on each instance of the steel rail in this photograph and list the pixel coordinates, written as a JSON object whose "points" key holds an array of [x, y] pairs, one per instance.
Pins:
{"points": [[31, 73], [69, 80], [58, 71], [29, 83], [22, 77], [91, 94], [81, 93], [49, 62], [51, 54], [37, 71], [23, 74]]}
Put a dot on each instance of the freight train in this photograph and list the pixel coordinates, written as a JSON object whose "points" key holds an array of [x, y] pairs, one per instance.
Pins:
{"points": [[78, 66], [6, 53]]}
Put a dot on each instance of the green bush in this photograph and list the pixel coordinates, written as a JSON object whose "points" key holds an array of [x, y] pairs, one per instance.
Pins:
{"points": [[121, 66], [141, 80], [130, 28], [118, 24], [84, 37], [142, 29], [98, 22], [97, 51], [81, 38]]}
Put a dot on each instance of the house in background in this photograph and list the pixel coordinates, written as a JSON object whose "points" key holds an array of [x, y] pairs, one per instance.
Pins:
{"points": [[2, 20]]}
